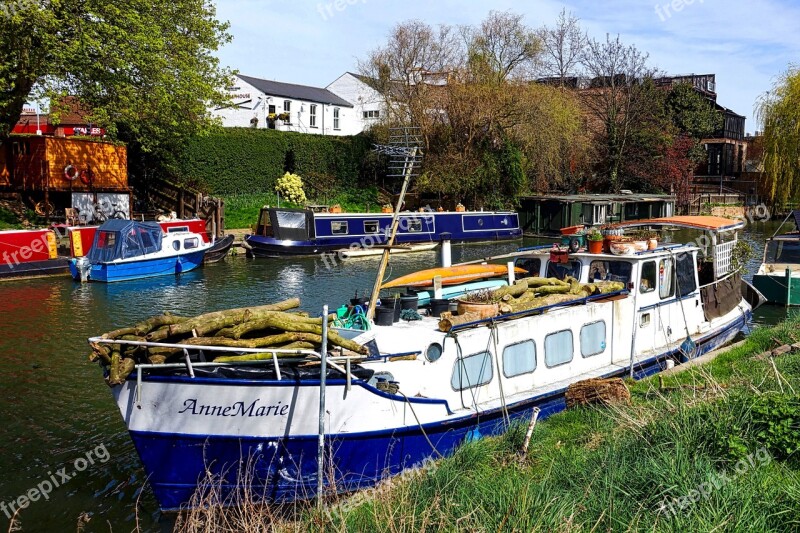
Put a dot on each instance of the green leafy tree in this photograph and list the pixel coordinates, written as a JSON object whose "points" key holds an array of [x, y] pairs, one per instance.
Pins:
{"points": [[144, 69], [779, 111]]}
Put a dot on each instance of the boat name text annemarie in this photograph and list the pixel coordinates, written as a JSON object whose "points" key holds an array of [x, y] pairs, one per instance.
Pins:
{"points": [[237, 409]]}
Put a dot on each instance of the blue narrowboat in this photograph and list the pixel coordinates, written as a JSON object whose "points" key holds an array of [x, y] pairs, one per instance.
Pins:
{"points": [[288, 232]]}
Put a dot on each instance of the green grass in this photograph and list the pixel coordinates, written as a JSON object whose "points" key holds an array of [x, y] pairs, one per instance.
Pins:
{"points": [[715, 449], [241, 210]]}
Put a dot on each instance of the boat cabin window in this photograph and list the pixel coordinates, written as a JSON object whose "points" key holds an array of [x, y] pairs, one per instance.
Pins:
{"points": [[666, 278], [106, 239], [558, 348], [686, 281], [532, 265], [414, 225], [472, 371], [371, 226], [593, 339], [339, 227], [783, 252], [176, 245], [648, 283], [562, 270], [610, 271], [519, 359], [191, 242], [176, 229]]}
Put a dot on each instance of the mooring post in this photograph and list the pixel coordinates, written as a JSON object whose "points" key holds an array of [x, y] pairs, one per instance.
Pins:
{"points": [[323, 370], [446, 252], [788, 286]]}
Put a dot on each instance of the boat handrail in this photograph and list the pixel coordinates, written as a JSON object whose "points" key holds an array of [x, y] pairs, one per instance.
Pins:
{"points": [[302, 356]]}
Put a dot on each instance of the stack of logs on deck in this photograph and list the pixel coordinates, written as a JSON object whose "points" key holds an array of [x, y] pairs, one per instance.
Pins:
{"points": [[276, 326], [533, 293]]}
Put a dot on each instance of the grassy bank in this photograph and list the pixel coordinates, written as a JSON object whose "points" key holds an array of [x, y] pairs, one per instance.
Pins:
{"points": [[241, 210], [713, 448]]}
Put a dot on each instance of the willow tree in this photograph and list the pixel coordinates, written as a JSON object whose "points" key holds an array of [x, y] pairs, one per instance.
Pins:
{"points": [[144, 69], [779, 111]]}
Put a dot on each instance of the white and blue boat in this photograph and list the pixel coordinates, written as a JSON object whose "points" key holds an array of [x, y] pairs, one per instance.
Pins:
{"points": [[421, 392], [125, 250], [293, 232]]}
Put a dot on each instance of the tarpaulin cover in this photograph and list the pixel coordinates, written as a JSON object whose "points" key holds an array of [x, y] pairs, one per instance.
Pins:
{"points": [[121, 239]]}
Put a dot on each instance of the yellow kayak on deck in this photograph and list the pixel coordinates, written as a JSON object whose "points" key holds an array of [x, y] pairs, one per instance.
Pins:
{"points": [[450, 275]]}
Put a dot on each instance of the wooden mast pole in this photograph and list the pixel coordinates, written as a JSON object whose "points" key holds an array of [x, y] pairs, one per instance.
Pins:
{"points": [[376, 289]]}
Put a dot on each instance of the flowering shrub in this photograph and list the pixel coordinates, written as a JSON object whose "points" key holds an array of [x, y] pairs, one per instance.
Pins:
{"points": [[290, 187]]}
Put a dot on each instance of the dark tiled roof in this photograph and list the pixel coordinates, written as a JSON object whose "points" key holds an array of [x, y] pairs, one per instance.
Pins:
{"points": [[297, 92]]}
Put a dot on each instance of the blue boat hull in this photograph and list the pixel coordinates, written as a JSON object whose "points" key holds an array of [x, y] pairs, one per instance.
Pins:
{"points": [[285, 469], [145, 268]]}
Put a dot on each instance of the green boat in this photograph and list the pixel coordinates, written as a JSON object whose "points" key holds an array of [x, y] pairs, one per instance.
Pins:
{"points": [[778, 277]]}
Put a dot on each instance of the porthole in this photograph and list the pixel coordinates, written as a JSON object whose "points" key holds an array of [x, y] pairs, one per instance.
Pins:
{"points": [[434, 352]]}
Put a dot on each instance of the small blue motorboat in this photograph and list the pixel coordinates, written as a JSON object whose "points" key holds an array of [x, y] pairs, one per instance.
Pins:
{"points": [[125, 249]]}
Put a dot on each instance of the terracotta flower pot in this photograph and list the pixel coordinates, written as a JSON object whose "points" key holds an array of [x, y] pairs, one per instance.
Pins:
{"points": [[595, 247], [652, 244], [485, 310]]}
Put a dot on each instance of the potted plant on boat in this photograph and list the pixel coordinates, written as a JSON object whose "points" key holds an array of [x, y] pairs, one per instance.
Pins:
{"points": [[387, 208], [481, 302], [595, 240]]}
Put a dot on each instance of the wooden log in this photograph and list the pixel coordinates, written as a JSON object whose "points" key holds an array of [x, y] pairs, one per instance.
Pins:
{"points": [[542, 301], [157, 359], [781, 350], [262, 342], [262, 323], [512, 291], [559, 289], [544, 282], [218, 320], [252, 357], [145, 327], [597, 391], [446, 324], [299, 345], [100, 352]]}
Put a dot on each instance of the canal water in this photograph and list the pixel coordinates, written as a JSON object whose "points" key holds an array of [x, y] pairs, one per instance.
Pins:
{"points": [[59, 428]]}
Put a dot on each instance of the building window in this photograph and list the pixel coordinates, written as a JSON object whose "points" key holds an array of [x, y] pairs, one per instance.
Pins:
{"points": [[472, 371], [593, 339], [648, 283], [372, 114], [558, 348], [519, 359], [287, 106], [339, 228], [336, 118], [312, 116], [371, 226], [666, 278]]}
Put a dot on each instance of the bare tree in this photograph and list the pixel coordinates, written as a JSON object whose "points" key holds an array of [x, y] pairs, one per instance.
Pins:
{"points": [[563, 47], [502, 48], [617, 99], [411, 68]]}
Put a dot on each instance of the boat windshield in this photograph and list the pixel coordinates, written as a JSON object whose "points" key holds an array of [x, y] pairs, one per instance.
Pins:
{"points": [[783, 252], [610, 271], [562, 270]]}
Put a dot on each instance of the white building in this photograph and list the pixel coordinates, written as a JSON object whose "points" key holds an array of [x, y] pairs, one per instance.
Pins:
{"points": [[368, 103], [258, 103]]}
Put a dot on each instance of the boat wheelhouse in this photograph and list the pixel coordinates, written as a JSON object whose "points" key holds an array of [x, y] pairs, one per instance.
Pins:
{"points": [[287, 232], [125, 249], [778, 277], [421, 391]]}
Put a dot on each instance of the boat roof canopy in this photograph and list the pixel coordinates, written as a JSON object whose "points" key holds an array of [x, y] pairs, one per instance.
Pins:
{"points": [[120, 239], [701, 222]]}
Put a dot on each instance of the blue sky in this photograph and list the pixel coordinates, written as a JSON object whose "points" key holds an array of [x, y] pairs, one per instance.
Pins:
{"points": [[747, 44]]}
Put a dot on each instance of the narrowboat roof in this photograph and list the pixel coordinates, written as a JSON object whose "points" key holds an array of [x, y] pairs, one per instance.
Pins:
{"points": [[703, 222]]}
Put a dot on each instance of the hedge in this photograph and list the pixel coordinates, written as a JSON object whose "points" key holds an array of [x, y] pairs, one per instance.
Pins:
{"points": [[245, 160]]}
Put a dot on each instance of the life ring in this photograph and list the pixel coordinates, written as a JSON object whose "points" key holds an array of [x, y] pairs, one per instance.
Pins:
{"points": [[70, 173], [86, 176]]}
